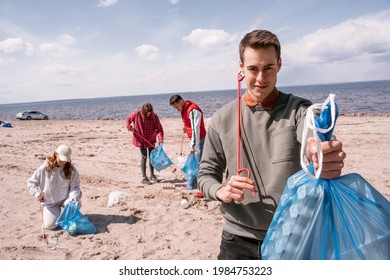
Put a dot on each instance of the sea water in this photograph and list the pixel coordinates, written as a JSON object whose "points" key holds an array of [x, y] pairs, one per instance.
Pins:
{"points": [[370, 97]]}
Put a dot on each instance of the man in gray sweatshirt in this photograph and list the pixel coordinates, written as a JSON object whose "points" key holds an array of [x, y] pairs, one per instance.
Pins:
{"points": [[271, 132]]}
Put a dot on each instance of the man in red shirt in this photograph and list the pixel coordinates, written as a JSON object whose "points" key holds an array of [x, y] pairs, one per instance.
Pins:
{"points": [[193, 121], [192, 117]]}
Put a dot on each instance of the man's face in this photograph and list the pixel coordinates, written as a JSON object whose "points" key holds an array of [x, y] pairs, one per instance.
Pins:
{"points": [[178, 106], [260, 67]]}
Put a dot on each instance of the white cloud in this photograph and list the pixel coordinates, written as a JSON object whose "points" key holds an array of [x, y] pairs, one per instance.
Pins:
{"points": [[106, 3], [361, 39], [11, 45], [29, 49], [208, 39], [15, 45], [174, 2], [53, 49], [60, 47], [66, 39], [148, 52], [354, 50]]}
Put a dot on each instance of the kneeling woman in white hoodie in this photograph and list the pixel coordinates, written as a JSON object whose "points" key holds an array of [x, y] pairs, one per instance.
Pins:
{"points": [[54, 184]]}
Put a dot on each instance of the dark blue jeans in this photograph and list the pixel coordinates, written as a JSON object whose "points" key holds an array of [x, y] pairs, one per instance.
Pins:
{"points": [[234, 247]]}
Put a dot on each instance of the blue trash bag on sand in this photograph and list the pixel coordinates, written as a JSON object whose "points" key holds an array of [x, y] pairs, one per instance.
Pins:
{"points": [[73, 221], [191, 169], [344, 218], [159, 159], [5, 124]]}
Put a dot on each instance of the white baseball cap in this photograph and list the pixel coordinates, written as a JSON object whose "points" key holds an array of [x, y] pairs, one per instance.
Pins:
{"points": [[64, 152]]}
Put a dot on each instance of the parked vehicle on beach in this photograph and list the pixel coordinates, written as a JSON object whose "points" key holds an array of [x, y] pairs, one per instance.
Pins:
{"points": [[31, 115]]}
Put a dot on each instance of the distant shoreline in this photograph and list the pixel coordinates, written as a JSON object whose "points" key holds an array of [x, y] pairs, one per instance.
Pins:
{"points": [[357, 115]]}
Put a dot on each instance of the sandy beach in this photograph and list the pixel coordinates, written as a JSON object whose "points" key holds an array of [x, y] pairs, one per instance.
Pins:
{"points": [[149, 223]]}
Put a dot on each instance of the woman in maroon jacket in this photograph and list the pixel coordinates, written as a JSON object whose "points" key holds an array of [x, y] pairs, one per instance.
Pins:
{"points": [[146, 128]]}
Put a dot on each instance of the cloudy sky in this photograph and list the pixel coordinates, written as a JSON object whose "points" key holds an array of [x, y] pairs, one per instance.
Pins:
{"points": [[63, 49]]}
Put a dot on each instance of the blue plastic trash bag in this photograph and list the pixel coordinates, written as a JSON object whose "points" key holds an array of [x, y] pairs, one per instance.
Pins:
{"points": [[344, 218], [159, 159], [191, 169], [6, 124], [73, 221]]}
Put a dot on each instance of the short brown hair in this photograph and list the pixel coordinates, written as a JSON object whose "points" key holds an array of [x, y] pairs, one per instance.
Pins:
{"points": [[174, 99], [259, 39]]}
